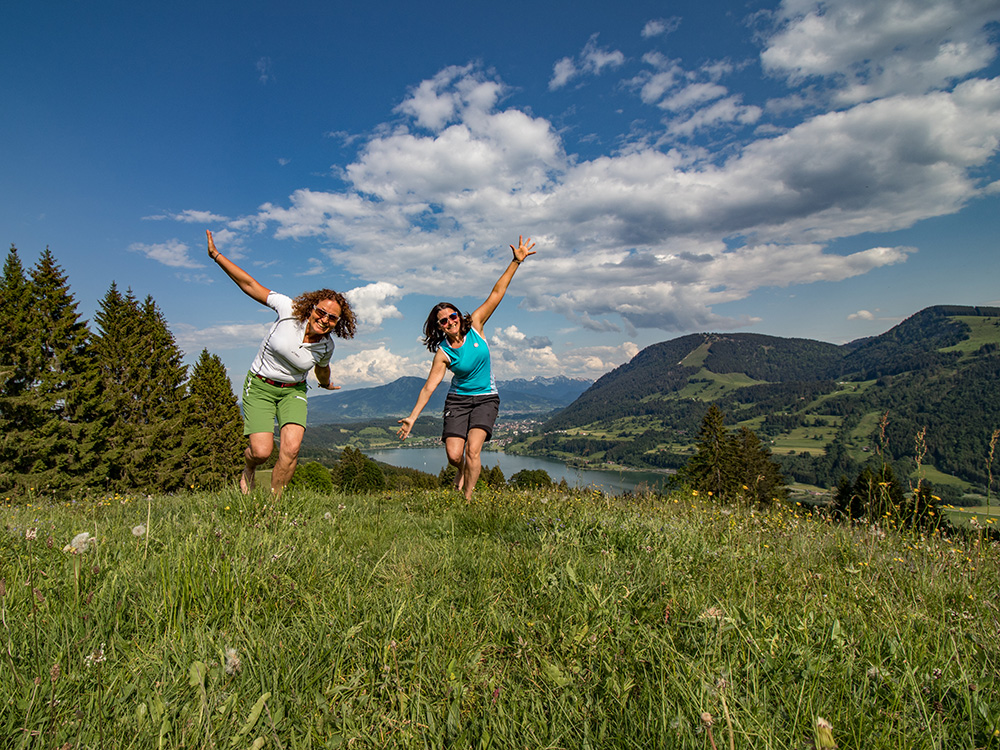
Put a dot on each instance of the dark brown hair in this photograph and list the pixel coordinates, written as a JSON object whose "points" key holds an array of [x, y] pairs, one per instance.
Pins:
{"points": [[433, 335], [302, 307]]}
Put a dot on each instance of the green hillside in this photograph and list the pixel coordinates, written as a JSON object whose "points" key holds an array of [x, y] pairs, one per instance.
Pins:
{"points": [[824, 409]]}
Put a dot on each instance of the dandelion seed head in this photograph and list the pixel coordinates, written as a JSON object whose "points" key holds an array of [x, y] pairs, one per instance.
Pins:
{"points": [[80, 543], [139, 530], [233, 664]]}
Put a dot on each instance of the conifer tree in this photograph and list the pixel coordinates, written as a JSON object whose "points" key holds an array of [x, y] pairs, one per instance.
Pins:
{"points": [[143, 378], [51, 397], [710, 469], [213, 428], [758, 478], [14, 376]]}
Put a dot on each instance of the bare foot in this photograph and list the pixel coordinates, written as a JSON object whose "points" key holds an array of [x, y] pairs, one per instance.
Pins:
{"points": [[247, 480]]}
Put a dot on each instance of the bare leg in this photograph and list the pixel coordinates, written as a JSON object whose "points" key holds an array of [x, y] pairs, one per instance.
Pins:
{"points": [[259, 450], [455, 448], [288, 457], [473, 460]]}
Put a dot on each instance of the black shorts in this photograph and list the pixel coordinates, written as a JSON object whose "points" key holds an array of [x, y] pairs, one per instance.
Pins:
{"points": [[462, 413]]}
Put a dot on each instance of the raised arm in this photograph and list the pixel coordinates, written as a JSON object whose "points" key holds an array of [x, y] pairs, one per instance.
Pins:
{"points": [[250, 286], [323, 378], [485, 310], [438, 367]]}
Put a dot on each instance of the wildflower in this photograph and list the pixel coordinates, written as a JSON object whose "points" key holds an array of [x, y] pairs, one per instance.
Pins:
{"points": [[31, 534], [96, 657], [328, 516], [79, 544], [139, 531], [54, 673], [824, 734], [341, 506], [233, 664]]}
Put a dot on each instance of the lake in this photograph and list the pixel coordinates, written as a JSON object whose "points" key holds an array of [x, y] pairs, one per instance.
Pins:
{"points": [[432, 460]]}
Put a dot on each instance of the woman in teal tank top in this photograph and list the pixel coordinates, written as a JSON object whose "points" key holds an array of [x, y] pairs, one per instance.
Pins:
{"points": [[472, 405]]}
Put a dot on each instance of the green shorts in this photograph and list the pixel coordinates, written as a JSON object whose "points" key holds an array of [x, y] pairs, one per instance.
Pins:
{"points": [[263, 402]]}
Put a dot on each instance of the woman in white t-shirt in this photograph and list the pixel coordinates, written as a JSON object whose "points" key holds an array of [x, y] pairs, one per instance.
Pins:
{"points": [[275, 387], [472, 404]]}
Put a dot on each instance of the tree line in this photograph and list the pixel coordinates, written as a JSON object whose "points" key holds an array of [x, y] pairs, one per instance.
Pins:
{"points": [[110, 409]]}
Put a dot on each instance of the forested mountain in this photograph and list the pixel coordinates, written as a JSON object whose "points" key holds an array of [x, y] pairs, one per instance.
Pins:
{"points": [[825, 409], [396, 399]]}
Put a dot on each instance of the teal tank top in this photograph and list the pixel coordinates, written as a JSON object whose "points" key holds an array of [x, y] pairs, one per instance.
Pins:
{"points": [[472, 373]]}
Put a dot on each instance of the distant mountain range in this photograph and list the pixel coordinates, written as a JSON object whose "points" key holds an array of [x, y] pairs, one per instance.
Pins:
{"points": [[537, 396], [824, 409]]}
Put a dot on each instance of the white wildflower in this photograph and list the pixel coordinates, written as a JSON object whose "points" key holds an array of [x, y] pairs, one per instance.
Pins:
{"points": [[97, 657], [233, 664], [139, 531], [80, 543], [31, 534]]}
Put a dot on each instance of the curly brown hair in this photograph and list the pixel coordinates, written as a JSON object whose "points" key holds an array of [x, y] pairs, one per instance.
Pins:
{"points": [[433, 335], [302, 307]]}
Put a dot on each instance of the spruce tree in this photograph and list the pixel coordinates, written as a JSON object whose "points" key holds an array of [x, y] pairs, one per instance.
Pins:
{"points": [[758, 478], [213, 427], [710, 469], [143, 378], [50, 394], [15, 380], [115, 344], [158, 458]]}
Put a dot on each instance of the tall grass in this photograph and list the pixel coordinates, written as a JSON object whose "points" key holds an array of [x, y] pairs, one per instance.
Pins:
{"points": [[521, 620]]}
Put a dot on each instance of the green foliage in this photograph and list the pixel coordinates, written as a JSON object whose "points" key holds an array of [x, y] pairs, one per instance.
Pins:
{"points": [[213, 426], [732, 467], [48, 395], [355, 472], [312, 476], [530, 479]]}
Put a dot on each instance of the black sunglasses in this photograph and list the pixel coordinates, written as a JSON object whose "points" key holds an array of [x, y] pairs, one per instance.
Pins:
{"points": [[444, 321]]}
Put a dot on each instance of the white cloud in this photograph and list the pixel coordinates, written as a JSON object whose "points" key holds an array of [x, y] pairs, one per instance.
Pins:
{"points": [[219, 337], [190, 216], [645, 237], [660, 26], [370, 303], [592, 60], [372, 367], [516, 355], [872, 49], [861, 315], [173, 253], [264, 70]]}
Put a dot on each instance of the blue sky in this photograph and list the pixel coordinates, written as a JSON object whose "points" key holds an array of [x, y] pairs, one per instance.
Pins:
{"points": [[797, 168]]}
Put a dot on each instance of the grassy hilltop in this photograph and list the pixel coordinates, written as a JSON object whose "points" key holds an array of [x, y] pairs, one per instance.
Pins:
{"points": [[525, 619]]}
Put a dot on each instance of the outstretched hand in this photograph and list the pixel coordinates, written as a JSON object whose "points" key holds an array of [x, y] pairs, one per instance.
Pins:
{"points": [[329, 386], [404, 430], [523, 249], [212, 250]]}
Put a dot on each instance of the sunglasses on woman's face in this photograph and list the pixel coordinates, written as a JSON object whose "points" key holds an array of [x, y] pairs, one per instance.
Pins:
{"points": [[324, 315], [444, 321]]}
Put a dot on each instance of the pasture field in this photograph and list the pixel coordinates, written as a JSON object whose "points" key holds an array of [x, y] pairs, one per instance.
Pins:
{"points": [[521, 620]]}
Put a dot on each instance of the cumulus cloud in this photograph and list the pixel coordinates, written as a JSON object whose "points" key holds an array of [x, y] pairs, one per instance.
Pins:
{"points": [[861, 315], [647, 237], [219, 337], [173, 253], [514, 354], [372, 367], [872, 49], [371, 303], [592, 60]]}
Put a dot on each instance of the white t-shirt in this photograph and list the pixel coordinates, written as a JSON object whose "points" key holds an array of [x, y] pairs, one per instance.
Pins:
{"points": [[283, 355]]}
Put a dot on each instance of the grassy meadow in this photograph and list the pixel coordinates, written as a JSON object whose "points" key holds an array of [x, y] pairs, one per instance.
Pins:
{"points": [[522, 620]]}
